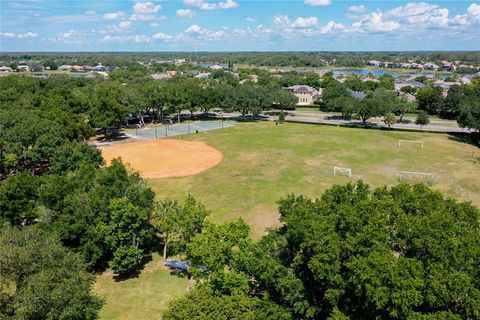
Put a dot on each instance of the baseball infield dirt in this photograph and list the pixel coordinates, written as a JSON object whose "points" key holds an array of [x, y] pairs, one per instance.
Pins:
{"points": [[165, 158]]}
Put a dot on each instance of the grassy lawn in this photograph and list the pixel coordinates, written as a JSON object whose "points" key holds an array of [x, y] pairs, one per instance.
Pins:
{"points": [[141, 298], [263, 163]]}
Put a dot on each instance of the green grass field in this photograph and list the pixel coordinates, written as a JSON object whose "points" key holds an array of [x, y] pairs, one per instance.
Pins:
{"points": [[263, 163], [141, 298]]}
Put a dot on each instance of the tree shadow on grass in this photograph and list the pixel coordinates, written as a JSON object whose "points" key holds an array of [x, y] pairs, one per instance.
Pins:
{"points": [[146, 259], [468, 138]]}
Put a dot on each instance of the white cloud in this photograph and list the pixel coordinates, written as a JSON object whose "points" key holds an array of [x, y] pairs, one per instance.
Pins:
{"points": [[114, 15], [357, 9], [204, 5], [195, 32], [142, 17], [145, 11], [251, 19], [303, 23], [26, 35], [375, 22], [318, 2], [90, 12], [195, 29], [154, 24], [124, 25], [139, 38], [331, 27], [161, 36], [186, 13], [8, 35], [421, 14], [146, 8], [71, 37], [474, 12]]}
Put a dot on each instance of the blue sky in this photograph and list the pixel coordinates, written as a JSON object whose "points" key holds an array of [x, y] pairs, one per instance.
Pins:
{"points": [[238, 25]]}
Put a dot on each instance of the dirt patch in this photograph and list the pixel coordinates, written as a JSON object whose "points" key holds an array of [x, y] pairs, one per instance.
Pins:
{"points": [[165, 157], [261, 218]]}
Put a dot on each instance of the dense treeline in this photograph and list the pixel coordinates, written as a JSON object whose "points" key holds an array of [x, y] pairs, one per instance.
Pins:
{"points": [[63, 213], [274, 59], [391, 253], [39, 115]]}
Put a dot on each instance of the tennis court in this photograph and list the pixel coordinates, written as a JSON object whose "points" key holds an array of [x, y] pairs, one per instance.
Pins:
{"points": [[178, 129]]}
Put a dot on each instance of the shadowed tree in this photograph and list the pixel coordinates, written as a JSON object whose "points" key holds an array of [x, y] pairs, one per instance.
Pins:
{"points": [[422, 119]]}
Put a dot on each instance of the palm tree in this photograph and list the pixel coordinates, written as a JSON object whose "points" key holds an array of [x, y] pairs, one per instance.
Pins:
{"points": [[163, 219]]}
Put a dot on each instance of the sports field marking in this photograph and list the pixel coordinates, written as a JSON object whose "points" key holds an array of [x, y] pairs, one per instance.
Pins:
{"points": [[410, 141]]}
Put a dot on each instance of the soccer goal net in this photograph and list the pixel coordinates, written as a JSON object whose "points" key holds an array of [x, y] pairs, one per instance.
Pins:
{"points": [[410, 142], [342, 171], [415, 177]]}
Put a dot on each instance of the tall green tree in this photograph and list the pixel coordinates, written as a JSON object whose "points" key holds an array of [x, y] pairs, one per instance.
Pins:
{"points": [[108, 109], [422, 119], [164, 219], [430, 99], [126, 233], [177, 223], [40, 279]]}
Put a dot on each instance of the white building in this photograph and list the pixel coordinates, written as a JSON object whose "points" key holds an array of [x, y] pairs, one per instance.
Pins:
{"points": [[23, 67], [65, 67], [5, 69]]}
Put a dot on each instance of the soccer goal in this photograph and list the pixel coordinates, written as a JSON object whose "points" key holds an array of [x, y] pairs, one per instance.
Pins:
{"points": [[415, 177], [342, 171], [410, 142]]}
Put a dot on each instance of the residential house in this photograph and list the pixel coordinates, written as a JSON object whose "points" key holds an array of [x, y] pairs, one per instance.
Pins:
{"points": [[416, 66], [430, 66], [203, 75], [161, 76], [388, 64], [359, 95], [65, 67], [23, 67], [306, 95], [399, 84], [216, 67], [99, 67], [5, 69], [191, 73], [374, 63], [466, 79], [447, 66], [445, 85], [78, 68]]}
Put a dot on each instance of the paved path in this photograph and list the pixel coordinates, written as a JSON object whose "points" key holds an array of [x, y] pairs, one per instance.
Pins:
{"points": [[434, 126], [325, 114], [404, 126]]}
